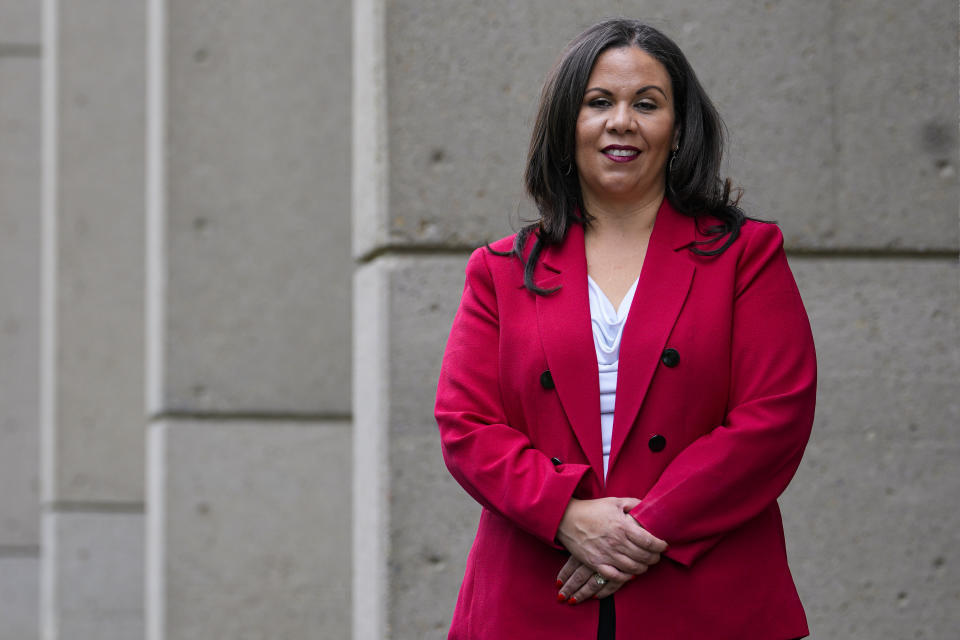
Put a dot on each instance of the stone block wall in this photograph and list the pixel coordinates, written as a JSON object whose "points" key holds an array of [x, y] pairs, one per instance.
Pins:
{"points": [[412, 523], [233, 240], [19, 319], [869, 534], [255, 544], [186, 276], [842, 127], [92, 444], [248, 316]]}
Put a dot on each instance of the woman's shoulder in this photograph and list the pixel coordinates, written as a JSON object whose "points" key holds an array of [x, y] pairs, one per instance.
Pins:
{"points": [[503, 245], [761, 230], [760, 236], [760, 255], [490, 258], [752, 234]]}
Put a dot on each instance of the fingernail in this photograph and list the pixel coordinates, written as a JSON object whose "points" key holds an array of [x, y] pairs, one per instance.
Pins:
{"points": [[561, 597], [559, 583], [572, 600]]}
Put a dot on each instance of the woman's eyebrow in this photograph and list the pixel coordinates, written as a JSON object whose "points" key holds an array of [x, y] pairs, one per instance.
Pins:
{"points": [[643, 89]]}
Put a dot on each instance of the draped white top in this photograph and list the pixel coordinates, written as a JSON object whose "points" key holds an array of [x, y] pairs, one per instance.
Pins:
{"points": [[607, 324]]}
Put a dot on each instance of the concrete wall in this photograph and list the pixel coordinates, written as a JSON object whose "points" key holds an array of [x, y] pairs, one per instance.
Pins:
{"points": [[870, 536], [843, 127], [254, 545], [215, 170], [412, 523], [19, 317], [182, 434], [92, 447], [248, 316]]}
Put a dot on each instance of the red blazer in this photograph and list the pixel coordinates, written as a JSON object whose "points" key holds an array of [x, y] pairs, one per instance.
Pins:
{"points": [[715, 398]]}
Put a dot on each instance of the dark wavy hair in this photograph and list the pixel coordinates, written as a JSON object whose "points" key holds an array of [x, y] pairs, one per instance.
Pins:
{"points": [[694, 186]]}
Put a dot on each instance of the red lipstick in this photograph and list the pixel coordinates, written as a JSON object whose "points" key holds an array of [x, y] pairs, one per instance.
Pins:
{"points": [[621, 153]]}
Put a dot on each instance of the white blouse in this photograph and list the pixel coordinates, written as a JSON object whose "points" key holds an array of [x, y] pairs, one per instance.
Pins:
{"points": [[607, 324]]}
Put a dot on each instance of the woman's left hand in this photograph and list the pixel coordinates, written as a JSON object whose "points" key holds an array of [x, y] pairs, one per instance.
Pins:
{"points": [[578, 583]]}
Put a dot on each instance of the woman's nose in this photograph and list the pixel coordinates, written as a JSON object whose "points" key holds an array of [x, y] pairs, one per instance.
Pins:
{"points": [[622, 119]]}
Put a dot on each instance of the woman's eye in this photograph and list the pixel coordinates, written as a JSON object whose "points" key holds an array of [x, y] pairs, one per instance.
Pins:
{"points": [[646, 105]]}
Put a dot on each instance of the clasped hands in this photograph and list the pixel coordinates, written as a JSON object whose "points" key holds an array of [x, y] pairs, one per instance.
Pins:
{"points": [[603, 539]]}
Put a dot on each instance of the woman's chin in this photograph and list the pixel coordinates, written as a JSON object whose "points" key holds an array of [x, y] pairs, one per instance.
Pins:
{"points": [[620, 192]]}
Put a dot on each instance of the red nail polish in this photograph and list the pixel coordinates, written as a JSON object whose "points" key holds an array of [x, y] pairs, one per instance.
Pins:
{"points": [[572, 600], [559, 583], [561, 597]]}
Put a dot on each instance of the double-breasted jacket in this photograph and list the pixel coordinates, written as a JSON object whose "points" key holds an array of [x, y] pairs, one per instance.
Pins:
{"points": [[715, 400]]}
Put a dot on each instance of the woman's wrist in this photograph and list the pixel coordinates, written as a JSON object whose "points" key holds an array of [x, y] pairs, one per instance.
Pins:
{"points": [[567, 522]]}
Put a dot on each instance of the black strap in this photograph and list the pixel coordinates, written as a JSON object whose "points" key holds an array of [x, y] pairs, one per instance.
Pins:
{"points": [[607, 629]]}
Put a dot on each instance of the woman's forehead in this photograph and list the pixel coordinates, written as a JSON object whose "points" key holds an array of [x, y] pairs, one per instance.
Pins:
{"points": [[628, 67]]}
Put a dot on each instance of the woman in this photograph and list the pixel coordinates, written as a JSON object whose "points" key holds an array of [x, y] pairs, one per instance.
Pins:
{"points": [[629, 382]]}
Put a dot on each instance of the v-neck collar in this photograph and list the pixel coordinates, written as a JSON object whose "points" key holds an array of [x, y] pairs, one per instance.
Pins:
{"points": [[618, 312], [565, 327]]}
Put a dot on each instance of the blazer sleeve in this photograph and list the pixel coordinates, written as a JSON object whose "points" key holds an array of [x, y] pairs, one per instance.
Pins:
{"points": [[494, 461], [731, 474]]}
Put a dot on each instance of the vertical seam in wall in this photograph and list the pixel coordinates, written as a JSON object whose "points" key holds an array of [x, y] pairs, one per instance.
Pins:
{"points": [[49, 628], [155, 311], [48, 252], [834, 110], [369, 202], [155, 604], [48, 308], [369, 126], [371, 506], [156, 267]]}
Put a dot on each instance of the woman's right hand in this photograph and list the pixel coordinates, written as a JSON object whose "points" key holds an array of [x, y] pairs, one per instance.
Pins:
{"points": [[577, 583], [601, 534]]}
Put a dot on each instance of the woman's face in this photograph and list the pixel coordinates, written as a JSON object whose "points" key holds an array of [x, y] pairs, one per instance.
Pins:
{"points": [[625, 129]]}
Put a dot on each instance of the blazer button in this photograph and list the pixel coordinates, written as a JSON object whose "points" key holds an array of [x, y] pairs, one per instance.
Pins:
{"points": [[556, 461], [670, 357], [546, 380], [657, 443]]}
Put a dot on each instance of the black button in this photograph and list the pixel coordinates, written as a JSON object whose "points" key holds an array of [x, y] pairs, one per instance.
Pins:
{"points": [[546, 380], [657, 443], [556, 461], [670, 357]]}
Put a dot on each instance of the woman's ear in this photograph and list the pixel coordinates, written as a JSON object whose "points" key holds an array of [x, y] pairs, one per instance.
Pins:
{"points": [[676, 139]]}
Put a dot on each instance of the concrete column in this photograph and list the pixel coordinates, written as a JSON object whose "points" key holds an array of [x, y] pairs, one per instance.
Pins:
{"points": [[249, 528], [864, 187], [92, 398], [248, 320], [19, 318], [884, 446], [410, 519], [879, 275], [439, 139]]}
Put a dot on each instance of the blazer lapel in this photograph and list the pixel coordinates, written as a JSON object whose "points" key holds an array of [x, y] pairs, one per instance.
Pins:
{"points": [[564, 322], [664, 283]]}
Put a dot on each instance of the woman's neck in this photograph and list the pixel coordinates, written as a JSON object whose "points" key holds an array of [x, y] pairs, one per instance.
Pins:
{"points": [[628, 221], [616, 242]]}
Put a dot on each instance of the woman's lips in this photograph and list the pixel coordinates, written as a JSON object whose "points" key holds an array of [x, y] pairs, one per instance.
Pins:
{"points": [[618, 153]]}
